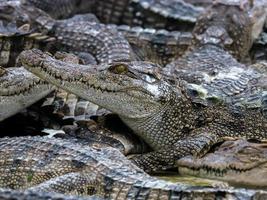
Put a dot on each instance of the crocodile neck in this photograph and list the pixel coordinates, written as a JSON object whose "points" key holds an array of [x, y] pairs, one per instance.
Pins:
{"points": [[175, 119]]}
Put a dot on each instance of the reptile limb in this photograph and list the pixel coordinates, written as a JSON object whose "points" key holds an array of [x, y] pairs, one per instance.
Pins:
{"points": [[196, 145]]}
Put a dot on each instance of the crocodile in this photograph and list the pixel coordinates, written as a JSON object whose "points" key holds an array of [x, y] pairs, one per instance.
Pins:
{"points": [[242, 97], [238, 162], [69, 106], [218, 33], [220, 40], [38, 165], [102, 42], [7, 194], [169, 15], [13, 42], [144, 104], [17, 33], [19, 89], [60, 9], [158, 46]]}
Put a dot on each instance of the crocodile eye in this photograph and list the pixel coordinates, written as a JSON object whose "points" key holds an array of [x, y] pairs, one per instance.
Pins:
{"points": [[119, 69]]}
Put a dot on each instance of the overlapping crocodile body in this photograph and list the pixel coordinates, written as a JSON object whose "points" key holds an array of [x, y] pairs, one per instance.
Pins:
{"points": [[52, 165], [65, 166], [106, 44], [145, 13], [158, 46], [62, 8]]}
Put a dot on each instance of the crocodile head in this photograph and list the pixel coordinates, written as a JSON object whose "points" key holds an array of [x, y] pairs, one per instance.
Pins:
{"points": [[19, 89], [133, 90], [238, 162], [231, 26], [108, 85]]}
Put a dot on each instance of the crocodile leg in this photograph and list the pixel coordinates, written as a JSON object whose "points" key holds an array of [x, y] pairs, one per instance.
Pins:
{"points": [[163, 159], [197, 144]]}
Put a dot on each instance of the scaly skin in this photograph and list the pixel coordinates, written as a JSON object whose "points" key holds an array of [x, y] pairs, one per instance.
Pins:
{"points": [[239, 162], [228, 27], [222, 31], [18, 32], [222, 35], [154, 14], [232, 27], [166, 116], [19, 89], [158, 46], [161, 14], [78, 34], [7, 194], [209, 62], [44, 164], [105, 43], [12, 45], [67, 105], [243, 89], [102, 134], [40, 165], [61, 8]]}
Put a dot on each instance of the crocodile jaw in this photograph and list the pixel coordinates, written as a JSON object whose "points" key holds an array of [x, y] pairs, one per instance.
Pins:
{"points": [[238, 162], [255, 177], [19, 89], [11, 105]]}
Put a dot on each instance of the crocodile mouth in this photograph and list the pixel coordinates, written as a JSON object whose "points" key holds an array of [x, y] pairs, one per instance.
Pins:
{"points": [[212, 171], [43, 70], [98, 80], [254, 176], [8, 92], [18, 81]]}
